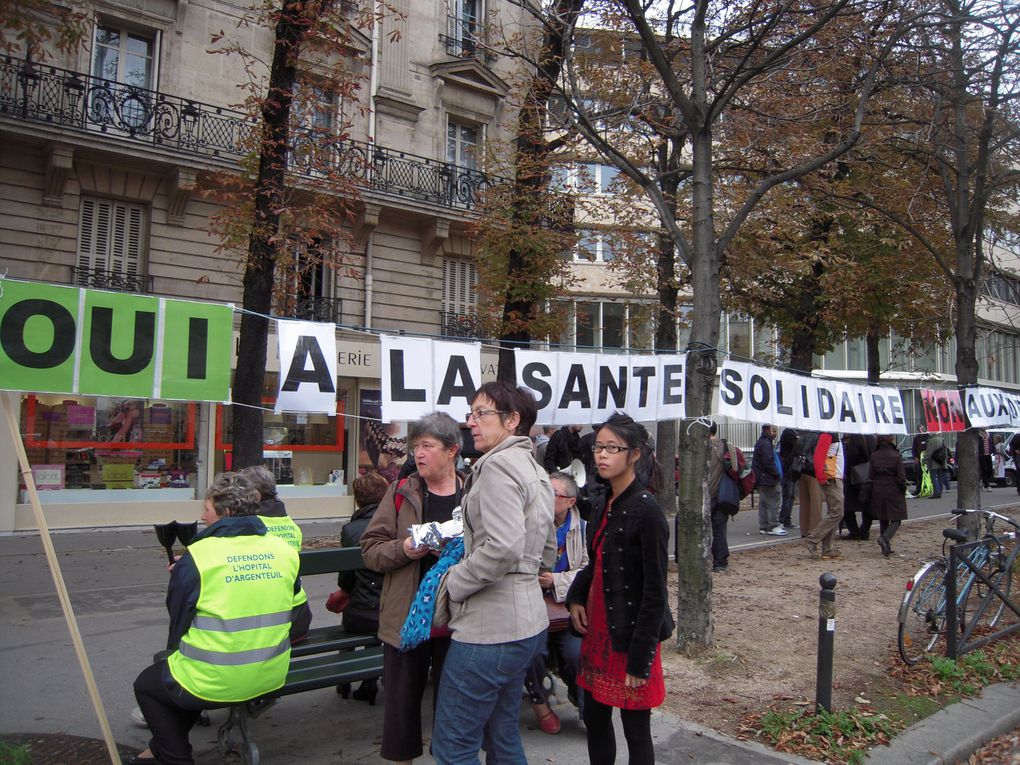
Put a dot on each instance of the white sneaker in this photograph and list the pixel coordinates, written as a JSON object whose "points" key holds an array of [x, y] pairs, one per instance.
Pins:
{"points": [[778, 531], [138, 718]]}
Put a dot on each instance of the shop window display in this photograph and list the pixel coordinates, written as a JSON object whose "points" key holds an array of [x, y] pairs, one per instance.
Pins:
{"points": [[303, 449], [81, 442]]}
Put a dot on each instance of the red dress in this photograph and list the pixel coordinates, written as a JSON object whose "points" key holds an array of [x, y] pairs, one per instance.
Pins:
{"points": [[602, 670]]}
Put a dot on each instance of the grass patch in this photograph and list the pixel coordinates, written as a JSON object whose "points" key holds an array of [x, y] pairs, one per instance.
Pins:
{"points": [[14, 755], [838, 736], [844, 736]]}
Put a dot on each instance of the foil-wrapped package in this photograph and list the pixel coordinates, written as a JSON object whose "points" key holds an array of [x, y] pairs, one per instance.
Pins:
{"points": [[432, 535]]}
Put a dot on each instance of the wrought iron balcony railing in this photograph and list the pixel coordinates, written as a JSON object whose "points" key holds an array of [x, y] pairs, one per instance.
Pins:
{"points": [[101, 279], [311, 308], [76, 101], [453, 324], [462, 39]]}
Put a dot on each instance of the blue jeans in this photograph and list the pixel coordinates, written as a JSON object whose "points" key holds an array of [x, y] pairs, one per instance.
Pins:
{"points": [[480, 702], [939, 480], [786, 509]]}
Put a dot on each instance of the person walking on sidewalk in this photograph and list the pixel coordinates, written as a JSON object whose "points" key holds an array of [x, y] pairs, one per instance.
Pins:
{"points": [[888, 502], [829, 467], [720, 515], [937, 457], [787, 449], [769, 482]]}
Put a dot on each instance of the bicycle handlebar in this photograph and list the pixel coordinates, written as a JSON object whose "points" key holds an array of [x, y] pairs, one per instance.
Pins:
{"points": [[988, 513]]}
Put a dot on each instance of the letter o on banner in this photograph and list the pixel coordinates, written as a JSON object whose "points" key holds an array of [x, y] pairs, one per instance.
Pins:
{"points": [[13, 333]]}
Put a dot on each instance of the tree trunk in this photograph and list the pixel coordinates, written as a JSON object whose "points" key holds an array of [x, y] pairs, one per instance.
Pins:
{"points": [[968, 487], [874, 359], [260, 269], [693, 527]]}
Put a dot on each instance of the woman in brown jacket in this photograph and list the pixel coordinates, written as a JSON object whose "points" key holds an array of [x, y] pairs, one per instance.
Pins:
{"points": [[429, 494], [888, 501]]}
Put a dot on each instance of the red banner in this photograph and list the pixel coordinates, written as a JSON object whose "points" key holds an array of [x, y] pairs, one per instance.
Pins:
{"points": [[943, 410]]}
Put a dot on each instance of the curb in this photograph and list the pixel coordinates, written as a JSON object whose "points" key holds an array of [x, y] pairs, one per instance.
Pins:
{"points": [[956, 732]]}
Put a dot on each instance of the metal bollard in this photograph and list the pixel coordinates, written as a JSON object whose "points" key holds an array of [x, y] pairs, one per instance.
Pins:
{"points": [[826, 635]]}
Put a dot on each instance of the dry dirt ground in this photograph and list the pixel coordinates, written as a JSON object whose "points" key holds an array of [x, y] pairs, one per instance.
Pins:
{"points": [[765, 613]]}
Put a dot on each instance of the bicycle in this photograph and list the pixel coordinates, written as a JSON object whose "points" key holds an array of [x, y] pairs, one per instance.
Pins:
{"points": [[922, 614]]}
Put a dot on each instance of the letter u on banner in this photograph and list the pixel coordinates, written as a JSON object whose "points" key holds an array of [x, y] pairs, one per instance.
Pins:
{"points": [[307, 367], [406, 377]]}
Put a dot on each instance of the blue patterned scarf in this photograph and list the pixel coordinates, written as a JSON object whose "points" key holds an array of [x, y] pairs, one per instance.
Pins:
{"points": [[418, 625]]}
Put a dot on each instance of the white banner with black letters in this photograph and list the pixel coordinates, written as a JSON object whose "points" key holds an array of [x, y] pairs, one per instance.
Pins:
{"points": [[420, 376], [759, 394], [307, 352], [991, 408]]}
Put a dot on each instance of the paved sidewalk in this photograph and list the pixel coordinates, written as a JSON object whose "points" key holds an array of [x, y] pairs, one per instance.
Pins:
{"points": [[117, 582]]}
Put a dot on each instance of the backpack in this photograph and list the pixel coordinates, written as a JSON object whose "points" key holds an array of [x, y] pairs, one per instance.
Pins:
{"points": [[742, 473], [939, 455], [729, 494], [803, 462]]}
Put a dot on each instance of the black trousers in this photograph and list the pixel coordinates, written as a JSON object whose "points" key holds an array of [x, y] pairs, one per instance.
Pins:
{"points": [[720, 545], [985, 461], [637, 729], [171, 714], [405, 676]]}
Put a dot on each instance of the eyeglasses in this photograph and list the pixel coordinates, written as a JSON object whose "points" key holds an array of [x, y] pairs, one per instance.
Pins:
{"points": [[611, 448], [480, 413], [562, 496]]}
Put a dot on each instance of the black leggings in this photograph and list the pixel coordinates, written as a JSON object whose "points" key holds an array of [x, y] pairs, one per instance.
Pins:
{"points": [[637, 729]]}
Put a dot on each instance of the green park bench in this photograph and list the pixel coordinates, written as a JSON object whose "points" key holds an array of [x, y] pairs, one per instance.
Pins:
{"points": [[327, 657]]}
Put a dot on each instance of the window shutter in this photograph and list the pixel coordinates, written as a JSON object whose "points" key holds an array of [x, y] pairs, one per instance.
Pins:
{"points": [[110, 236], [460, 277]]}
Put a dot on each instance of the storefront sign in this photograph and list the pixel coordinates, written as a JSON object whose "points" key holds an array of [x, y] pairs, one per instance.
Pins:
{"points": [[69, 340], [759, 394]]}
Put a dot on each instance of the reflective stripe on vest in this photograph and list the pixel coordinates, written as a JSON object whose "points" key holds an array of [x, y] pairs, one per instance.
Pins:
{"points": [[234, 658], [241, 622]]}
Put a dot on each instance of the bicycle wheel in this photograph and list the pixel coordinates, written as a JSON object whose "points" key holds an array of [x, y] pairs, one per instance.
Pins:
{"points": [[922, 619]]}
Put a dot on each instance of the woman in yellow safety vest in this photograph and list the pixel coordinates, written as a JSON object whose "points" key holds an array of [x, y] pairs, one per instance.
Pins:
{"points": [[235, 601]]}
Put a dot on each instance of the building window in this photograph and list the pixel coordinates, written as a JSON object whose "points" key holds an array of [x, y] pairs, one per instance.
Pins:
{"points": [[594, 247], [457, 315], [315, 119], [607, 325], [462, 145], [462, 28], [128, 61], [111, 244], [585, 178]]}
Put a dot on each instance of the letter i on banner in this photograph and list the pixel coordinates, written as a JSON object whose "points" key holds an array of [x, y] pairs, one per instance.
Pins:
{"points": [[307, 367], [406, 378], [536, 371], [456, 375]]}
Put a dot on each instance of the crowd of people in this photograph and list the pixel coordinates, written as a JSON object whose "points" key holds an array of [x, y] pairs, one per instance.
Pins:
{"points": [[558, 520], [533, 539]]}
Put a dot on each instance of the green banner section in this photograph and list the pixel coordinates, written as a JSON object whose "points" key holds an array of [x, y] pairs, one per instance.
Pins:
{"points": [[197, 353], [37, 337], [117, 344]]}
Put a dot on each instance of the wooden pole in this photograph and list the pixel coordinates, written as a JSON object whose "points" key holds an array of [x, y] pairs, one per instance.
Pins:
{"points": [[58, 578]]}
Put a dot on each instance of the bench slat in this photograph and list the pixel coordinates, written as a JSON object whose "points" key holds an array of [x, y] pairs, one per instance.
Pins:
{"points": [[331, 669], [323, 639], [331, 561]]}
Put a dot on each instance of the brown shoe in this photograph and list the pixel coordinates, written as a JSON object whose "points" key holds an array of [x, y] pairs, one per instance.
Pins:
{"points": [[831, 554], [548, 721], [812, 548]]}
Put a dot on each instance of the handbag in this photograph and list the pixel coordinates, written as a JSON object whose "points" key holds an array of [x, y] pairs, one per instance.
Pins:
{"points": [[860, 473], [441, 613]]}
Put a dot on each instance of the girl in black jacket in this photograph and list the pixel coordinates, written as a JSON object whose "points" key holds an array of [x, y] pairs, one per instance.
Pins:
{"points": [[619, 602]]}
